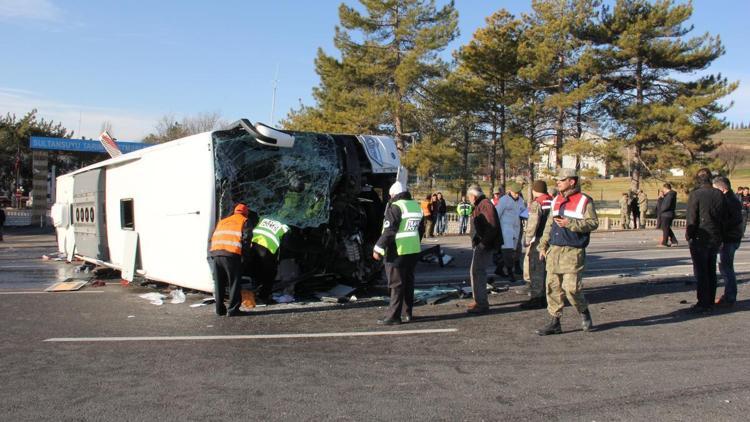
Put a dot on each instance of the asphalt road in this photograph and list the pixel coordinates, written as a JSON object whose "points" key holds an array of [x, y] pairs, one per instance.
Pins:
{"points": [[114, 356]]}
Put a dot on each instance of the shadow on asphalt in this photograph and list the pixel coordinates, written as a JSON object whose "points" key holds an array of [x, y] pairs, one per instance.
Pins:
{"points": [[674, 317]]}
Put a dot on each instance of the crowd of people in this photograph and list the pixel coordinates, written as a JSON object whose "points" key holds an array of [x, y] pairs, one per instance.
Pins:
{"points": [[552, 234], [435, 212]]}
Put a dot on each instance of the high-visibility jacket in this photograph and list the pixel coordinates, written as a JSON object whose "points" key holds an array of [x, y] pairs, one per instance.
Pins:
{"points": [[407, 237], [268, 233], [464, 209], [228, 234]]}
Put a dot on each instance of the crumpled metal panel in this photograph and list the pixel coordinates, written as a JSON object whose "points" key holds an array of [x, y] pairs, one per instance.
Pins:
{"points": [[292, 185]]}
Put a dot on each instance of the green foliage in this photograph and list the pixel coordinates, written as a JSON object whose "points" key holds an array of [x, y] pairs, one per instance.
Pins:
{"points": [[15, 134], [643, 44], [388, 55]]}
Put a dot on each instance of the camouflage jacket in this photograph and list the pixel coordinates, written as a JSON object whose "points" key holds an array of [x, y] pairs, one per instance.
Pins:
{"points": [[566, 259]]}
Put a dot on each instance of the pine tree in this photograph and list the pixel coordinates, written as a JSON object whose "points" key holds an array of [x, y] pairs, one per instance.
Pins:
{"points": [[559, 62], [645, 45], [490, 61], [388, 54]]}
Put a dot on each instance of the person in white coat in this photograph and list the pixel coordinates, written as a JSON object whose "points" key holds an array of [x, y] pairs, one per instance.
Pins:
{"points": [[509, 210]]}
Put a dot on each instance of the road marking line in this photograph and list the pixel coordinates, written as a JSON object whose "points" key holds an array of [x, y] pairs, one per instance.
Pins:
{"points": [[252, 336], [46, 293]]}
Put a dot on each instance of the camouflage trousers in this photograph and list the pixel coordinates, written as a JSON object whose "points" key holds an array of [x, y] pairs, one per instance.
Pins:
{"points": [[534, 271], [625, 220], [568, 285]]}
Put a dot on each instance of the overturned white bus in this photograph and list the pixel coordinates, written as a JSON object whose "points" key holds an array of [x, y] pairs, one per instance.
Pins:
{"points": [[151, 212]]}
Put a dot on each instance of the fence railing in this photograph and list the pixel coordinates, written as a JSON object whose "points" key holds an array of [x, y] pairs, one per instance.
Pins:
{"points": [[23, 217]]}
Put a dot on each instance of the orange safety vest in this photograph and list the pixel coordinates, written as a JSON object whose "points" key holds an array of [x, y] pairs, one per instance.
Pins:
{"points": [[425, 205], [228, 234]]}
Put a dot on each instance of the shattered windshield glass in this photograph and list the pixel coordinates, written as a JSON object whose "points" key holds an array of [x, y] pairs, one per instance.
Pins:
{"points": [[291, 185]]}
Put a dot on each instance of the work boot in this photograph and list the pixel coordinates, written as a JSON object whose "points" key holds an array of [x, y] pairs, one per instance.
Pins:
{"points": [[477, 309], [534, 303], [389, 321], [552, 328], [586, 322]]}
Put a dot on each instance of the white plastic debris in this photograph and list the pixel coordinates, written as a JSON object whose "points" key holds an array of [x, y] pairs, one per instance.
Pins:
{"points": [[283, 298], [177, 296], [154, 298]]}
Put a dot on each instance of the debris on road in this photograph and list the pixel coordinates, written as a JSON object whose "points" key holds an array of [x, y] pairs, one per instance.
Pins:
{"points": [[283, 298], [435, 294], [154, 298], [205, 302], [69, 285], [338, 294], [177, 296]]}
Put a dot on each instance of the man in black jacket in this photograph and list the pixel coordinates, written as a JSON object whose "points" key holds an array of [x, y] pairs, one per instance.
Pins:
{"points": [[485, 240], [706, 211], [731, 238], [666, 208]]}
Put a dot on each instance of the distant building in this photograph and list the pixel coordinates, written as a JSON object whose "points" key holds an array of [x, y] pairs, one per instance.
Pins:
{"points": [[549, 157]]}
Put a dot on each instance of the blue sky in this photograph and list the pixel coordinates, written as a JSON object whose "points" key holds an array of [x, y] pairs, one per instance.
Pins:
{"points": [[131, 62]]}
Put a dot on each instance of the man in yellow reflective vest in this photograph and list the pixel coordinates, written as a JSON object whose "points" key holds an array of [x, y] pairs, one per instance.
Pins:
{"points": [[264, 254], [227, 243], [400, 245]]}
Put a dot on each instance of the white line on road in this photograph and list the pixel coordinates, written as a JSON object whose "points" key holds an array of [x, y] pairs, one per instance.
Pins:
{"points": [[43, 292], [252, 336]]}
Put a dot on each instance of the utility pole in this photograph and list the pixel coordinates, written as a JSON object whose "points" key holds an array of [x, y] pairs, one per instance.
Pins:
{"points": [[273, 98]]}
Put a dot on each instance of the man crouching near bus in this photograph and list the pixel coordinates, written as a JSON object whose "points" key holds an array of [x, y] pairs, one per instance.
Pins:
{"points": [[230, 237], [400, 244]]}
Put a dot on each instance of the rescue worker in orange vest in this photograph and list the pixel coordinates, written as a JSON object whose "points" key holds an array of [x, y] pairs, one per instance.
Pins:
{"points": [[230, 237]]}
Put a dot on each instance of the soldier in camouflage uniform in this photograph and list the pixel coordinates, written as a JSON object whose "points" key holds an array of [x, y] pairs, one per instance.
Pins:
{"points": [[563, 245], [533, 267], [642, 207], [625, 211]]}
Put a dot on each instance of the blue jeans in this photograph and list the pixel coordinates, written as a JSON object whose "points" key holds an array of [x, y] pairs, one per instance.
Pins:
{"points": [[726, 267], [462, 224], [442, 222]]}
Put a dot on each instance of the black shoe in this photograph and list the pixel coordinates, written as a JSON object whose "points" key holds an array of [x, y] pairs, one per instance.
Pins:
{"points": [[237, 313], [534, 303], [221, 312], [389, 321], [586, 323], [552, 328], [405, 319], [699, 309]]}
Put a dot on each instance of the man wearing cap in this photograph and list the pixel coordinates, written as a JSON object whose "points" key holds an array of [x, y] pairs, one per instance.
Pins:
{"points": [[400, 245], [563, 246], [485, 240], [533, 266], [229, 240], [509, 211]]}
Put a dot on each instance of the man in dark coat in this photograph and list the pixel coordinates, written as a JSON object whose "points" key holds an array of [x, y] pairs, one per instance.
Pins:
{"points": [[730, 242], [706, 211], [665, 210], [485, 240]]}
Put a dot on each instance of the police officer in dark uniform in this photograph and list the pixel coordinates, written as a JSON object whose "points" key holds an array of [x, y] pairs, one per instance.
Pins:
{"points": [[400, 244]]}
